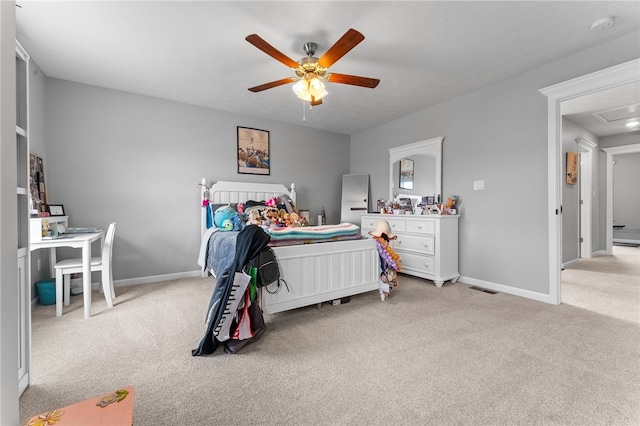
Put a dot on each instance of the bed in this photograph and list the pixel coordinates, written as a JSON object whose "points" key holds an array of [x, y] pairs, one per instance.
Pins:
{"points": [[332, 268]]}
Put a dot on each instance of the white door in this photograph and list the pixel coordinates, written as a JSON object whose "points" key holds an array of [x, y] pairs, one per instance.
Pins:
{"points": [[355, 198], [586, 149]]}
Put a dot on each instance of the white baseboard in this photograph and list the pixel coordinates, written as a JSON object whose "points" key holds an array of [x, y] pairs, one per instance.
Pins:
{"points": [[156, 278], [140, 280], [569, 263], [540, 297]]}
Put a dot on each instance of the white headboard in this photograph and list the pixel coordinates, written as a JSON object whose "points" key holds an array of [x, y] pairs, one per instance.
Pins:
{"points": [[239, 192]]}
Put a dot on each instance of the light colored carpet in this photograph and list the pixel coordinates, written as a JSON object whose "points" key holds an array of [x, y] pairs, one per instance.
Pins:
{"points": [[427, 355], [607, 284]]}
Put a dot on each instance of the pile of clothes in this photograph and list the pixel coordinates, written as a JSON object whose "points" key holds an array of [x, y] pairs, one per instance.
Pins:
{"points": [[234, 318]]}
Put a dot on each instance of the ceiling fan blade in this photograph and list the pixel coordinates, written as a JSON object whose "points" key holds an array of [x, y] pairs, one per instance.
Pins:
{"points": [[258, 42], [272, 84], [348, 41], [353, 80]]}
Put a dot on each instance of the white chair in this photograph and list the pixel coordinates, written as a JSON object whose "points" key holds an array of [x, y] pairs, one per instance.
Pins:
{"points": [[65, 268]]}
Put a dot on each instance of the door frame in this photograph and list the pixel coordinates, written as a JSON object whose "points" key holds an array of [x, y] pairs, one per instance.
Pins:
{"points": [[624, 73], [610, 152], [587, 151]]}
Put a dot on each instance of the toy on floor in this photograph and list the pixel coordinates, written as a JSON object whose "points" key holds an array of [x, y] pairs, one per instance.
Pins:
{"points": [[389, 259]]}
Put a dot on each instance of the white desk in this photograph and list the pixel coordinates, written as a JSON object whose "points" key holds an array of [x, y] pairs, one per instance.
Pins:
{"points": [[81, 241]]}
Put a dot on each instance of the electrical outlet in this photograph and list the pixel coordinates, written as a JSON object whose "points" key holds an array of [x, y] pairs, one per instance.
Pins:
{"points": [[478, 185]]}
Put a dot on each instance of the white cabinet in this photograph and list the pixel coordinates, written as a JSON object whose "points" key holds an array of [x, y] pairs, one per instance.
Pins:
{"points": [[22, 192], [427, 244]]}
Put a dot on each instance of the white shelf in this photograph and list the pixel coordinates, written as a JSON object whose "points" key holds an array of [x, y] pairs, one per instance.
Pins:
{"points": [[24, 257]]}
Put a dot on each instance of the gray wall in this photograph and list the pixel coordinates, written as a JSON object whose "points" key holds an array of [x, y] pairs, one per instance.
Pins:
{"points": [[497, 134], [571, 194], [626, 190], [622, 139], [136, 160]]}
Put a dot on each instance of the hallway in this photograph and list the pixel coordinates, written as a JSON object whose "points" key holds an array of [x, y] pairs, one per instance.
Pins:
{"points": [[607, 284]]}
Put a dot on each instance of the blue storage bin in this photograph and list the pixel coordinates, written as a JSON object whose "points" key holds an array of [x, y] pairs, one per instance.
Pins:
{"points": [[46, 291]]}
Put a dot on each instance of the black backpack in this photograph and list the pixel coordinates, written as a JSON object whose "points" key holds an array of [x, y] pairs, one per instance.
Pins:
{"points": [[267, 265]]}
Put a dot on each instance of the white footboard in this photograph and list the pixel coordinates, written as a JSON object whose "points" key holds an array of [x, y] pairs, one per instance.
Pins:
{"points": [[320, 272]]}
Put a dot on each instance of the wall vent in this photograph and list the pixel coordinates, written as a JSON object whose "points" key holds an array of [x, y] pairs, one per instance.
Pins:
{"points": [[484, 290]]}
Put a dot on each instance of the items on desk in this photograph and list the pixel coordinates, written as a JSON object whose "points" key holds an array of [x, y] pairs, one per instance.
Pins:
{"points": [[74, 230], [56, 237], [52, 232], [46, 229]]}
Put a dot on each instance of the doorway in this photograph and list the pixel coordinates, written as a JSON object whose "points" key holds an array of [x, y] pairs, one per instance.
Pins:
{"points": [[556, 94], [587, 151]]}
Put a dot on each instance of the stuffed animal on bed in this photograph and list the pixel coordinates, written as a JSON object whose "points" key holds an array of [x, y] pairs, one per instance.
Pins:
{"points": [[238, 220], [221, 214], [270, 217], [253, 217]]}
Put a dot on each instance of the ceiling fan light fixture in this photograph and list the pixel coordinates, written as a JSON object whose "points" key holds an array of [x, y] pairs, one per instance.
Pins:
{"points": [[301, 88], [316, 87], [310, 87], [310, 98]]}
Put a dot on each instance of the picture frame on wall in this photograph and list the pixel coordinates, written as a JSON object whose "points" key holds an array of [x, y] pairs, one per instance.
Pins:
{"points": [[406, 174], [572, 168], [56, 209], [253, 151]]}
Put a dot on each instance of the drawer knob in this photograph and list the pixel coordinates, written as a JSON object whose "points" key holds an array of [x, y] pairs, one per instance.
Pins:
{"points": [[419, 226]]}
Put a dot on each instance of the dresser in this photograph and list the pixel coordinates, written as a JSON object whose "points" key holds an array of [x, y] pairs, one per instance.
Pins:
{"points": [[427, 244]]}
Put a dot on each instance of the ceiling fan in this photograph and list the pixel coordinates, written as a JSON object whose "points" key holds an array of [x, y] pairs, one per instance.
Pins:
{"points": [[312, 72]]}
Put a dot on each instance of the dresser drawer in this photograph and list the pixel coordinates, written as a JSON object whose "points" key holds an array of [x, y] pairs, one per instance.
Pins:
{"points": [[421, 226], [422, 244], [416, 262], [397, 225], [369, 223]]}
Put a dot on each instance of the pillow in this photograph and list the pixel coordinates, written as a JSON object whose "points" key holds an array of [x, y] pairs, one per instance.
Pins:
{"points": [[221, 214], [215, 206]]}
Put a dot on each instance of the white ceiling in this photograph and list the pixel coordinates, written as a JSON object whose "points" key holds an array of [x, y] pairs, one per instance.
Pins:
{"points": [[424, 52], [626, 97]]}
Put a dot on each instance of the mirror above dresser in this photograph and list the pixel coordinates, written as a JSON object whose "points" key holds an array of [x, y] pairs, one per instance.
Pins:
{"points": [[425, 157]]}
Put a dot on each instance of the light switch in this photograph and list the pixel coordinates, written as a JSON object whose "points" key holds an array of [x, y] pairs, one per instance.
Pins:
{"points": [[478, 185]]}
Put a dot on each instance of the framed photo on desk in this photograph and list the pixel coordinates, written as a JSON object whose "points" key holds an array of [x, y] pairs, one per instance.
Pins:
{"points": [[56, 210]]}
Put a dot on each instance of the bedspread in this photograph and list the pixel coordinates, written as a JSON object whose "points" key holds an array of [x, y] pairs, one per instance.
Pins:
{"points": [[218, 247], [217, 250], [313, 234]]}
